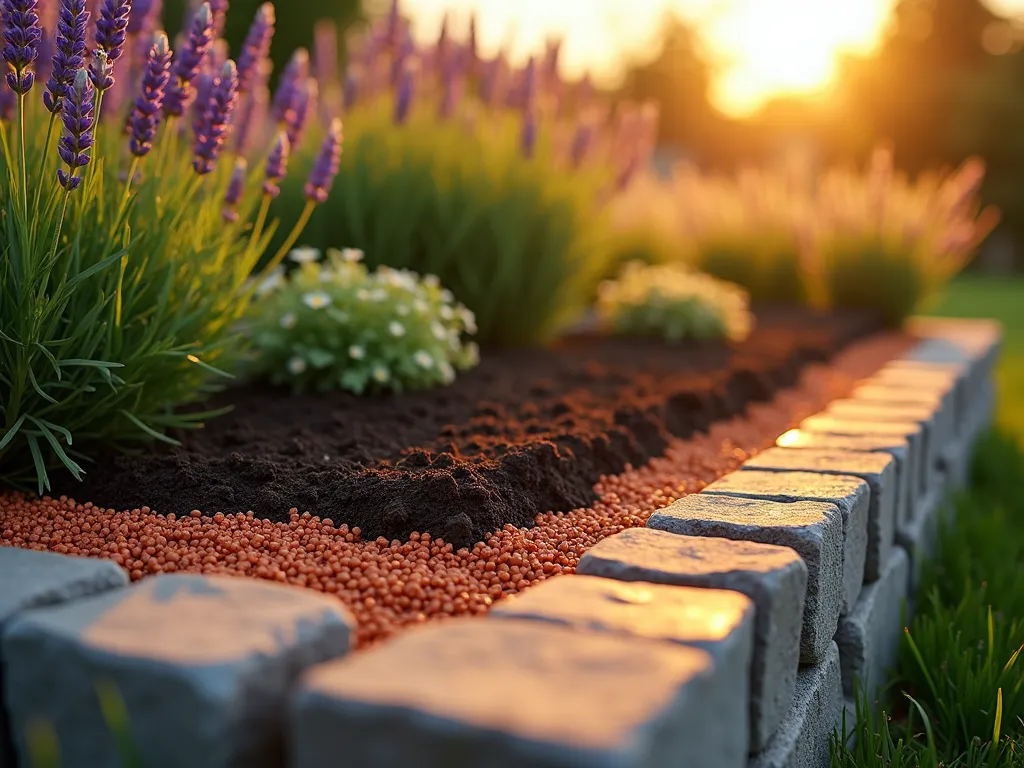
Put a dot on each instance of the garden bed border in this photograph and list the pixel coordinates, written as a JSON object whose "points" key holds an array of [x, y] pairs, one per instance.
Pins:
{"points": [[660, 691]]}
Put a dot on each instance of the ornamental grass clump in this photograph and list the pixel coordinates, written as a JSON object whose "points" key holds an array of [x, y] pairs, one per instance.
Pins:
{"points": [[879, 240], [675, 303], [495, 178], [333, 324], [129, 225]]}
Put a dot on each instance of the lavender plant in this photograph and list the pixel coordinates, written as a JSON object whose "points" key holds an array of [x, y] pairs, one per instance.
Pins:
{"points": [[126, 259], [494, 178], [333, 324]]}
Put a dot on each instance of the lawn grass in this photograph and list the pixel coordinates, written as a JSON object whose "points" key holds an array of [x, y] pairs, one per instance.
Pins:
{"points": [[956, 699]]}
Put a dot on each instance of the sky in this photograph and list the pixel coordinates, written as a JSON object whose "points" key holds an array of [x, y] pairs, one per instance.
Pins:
{"points": [[763, 48]]}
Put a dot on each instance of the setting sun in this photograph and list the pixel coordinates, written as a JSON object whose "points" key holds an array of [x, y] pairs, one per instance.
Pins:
{"points": [[760, 48]]}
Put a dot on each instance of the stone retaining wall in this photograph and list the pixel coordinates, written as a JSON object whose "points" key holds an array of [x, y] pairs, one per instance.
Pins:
{"points": [[727, 633]]}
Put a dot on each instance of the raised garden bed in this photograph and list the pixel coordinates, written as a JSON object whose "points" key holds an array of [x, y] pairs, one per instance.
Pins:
{"points": [[529, 431]]}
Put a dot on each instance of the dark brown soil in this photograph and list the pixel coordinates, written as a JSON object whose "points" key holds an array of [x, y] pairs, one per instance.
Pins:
{"points": [[528, 431]]}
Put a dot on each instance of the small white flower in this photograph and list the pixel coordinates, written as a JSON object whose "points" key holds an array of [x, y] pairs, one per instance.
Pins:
{"points": [[447, 372], [327, 276], [421, 306], [396, 329], [288, 320], [296, 366], [447, 297], [316, 300], [270, 283], [352, 255], [423, 360], [473, 353], [446, 312], [380, 374], [304, 255], [402, 310], [432, 281], [438, 331], [468, 320], [356, 352], [363, 295], [378, 294]]}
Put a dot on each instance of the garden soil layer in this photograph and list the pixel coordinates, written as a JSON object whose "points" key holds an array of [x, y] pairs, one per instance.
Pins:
{"points": [[527, 431]]}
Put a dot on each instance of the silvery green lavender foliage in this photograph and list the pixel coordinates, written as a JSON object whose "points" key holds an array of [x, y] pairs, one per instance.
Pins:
{"points": [[494, 178], [333, 324], [130, 227], [675, 303]]}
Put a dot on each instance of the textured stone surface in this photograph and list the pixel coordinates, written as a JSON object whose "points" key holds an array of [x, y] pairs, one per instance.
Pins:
{"points": [[869, 638], [803, 738], [850, 494], [473, 693], [895, 446], [775, 578], [942, 404], [202, 663], [878, 470], [920, 535], [813, 529], [912, 433], [949, 383], [30, 579]]}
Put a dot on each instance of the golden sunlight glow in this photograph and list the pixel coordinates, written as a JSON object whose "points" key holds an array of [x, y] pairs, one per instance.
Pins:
{"points": [[761, 48]]}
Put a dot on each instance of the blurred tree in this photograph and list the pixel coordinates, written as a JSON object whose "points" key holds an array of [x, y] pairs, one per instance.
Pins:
{"points": [[294, 27]]}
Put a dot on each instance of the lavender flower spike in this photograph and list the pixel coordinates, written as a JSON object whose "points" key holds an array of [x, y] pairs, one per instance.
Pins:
{"points": [[143, 12], [295, 119], [70, 54], [233, 195], [78, 119], [277, 165], [212, 126], [112, 27], [189, 59], [256, 46], [145, 115], [21, 42], [404, 96], [292, 79], [321, 178], [528, 138]]}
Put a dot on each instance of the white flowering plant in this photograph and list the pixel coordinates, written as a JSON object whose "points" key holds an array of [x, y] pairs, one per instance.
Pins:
{"points": [[674, 302], [331, 323]]}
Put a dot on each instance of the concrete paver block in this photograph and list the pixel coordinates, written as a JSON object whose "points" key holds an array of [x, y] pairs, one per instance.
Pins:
{"points": [[775, 578], [203, 664], [506, 693], [869, 638], [850, 494], [878, 470], [814, 530]]}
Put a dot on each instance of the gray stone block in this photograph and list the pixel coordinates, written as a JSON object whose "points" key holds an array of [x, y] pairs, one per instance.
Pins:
{"points": [[803, 739], [878, 470], [942, 404], [775, 578], [850, 494], [897, 447], [445, 696], [948, 382], [813, 529], [203, 665], [975, 343], [869, 638], [912, 433], [919, 537], [30, 579]]}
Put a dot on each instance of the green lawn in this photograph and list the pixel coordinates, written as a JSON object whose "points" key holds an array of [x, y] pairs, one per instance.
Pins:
{"points": [[1001, 299]]}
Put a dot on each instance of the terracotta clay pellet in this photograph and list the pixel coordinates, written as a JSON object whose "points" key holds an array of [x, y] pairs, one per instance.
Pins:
{"points": [[393, 584]]}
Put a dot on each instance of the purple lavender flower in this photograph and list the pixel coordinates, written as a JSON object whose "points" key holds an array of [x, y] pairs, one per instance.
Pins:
{"points": [[233, 195], [293, 78], [493, 82], [394, 24], [528, 86], [21, 42], [256, 46], [321, 178], [404, 94], [528, 137], [296, 118], [277, 165], [350, 89], [77, 116], [582, 140], [70, 54], [144, 14], [452, 88], [212, 127], [187, 62], [404, 51], [112, 28], [220, 13], [254, 108], [145, 115], [101, 70]]}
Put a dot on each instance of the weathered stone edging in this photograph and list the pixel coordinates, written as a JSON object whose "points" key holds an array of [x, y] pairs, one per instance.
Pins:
{"points": [[704, 640]]}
